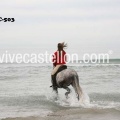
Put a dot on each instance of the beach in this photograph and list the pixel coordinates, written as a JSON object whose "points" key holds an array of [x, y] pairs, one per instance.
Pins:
{"points": [[76, 114], [38, 36]]}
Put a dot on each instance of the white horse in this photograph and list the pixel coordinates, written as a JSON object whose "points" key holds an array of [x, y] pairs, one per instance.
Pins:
{"points": [[69, 77]]}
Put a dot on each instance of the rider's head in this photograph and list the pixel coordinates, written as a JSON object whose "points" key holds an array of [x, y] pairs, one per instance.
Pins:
{"points": [[61, 46]]}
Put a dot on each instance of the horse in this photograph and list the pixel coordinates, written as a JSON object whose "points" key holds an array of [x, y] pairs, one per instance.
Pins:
{"points": [[66, 78]]}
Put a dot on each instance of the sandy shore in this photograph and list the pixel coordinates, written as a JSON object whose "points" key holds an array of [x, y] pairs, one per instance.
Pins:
{"points": [[76, 114]]}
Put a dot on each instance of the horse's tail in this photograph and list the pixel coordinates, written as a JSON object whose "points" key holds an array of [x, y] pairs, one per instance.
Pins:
{"points": [[77, 88]]}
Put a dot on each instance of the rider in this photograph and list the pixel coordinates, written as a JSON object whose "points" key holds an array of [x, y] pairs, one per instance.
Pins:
{"points": [[59, 59]]}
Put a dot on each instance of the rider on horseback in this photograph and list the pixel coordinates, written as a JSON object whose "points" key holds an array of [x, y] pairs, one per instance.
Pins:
{"points": [[59, 59]]}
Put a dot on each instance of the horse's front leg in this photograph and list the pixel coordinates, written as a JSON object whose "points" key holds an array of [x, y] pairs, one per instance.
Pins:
{"points": [[68, 91], [55, 89]]}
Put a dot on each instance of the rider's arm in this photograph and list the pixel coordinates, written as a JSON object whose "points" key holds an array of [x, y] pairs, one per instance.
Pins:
{"points": [[54, 60]]}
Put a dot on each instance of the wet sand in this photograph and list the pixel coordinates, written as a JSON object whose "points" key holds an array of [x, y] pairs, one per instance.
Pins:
{"points": [[76, 114]]}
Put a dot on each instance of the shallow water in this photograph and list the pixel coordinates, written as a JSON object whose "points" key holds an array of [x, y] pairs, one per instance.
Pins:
{"points": [[25, 91]]}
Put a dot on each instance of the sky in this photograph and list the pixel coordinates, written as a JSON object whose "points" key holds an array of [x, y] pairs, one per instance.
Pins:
{"points": [[86, 25]]}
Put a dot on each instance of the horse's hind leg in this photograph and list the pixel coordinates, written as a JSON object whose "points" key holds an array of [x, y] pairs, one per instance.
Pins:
{"points": [[68, 91]]}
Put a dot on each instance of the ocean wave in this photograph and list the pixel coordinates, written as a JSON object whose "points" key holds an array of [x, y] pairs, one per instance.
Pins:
{"points": [[105, 97]]}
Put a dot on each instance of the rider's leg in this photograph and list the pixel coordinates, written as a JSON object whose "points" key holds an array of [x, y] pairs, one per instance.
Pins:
{"points": [[55, 69], [54, 85], [53, 76]]}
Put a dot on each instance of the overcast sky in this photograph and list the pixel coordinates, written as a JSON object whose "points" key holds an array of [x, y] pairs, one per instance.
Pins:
{"points": [[86, 25]]}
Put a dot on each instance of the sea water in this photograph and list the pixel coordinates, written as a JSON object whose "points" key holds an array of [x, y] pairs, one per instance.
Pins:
{"points": [[25, 91]]}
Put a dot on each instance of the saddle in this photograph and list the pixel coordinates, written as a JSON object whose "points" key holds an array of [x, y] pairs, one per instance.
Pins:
{"points": [[61, 68]]}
